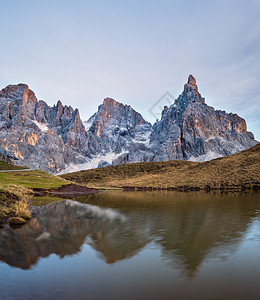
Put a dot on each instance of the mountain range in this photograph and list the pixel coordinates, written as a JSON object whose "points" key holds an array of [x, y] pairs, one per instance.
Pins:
{"points": [[56, 140]]}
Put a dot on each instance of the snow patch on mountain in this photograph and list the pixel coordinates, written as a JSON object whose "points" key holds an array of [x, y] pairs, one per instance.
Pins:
{"points": [[92, 163], [205, 157], [142, 136], [87, 124], [43, 127]]}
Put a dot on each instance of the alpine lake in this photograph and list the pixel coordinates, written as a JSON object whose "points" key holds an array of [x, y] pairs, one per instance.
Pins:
{"points": [[136, 245]]}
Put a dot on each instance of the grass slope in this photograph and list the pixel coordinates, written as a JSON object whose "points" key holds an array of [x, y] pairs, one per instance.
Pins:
{"points": [[15, 191], [6, 166], [32, 179], [241, 170]]}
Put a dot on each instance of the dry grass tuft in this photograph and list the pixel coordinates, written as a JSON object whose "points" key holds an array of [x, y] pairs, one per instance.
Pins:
{"points": [[14, 203], [16, 221]]}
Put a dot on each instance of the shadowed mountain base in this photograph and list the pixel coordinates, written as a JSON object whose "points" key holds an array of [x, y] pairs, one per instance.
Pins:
{"points": [[239, 171]]}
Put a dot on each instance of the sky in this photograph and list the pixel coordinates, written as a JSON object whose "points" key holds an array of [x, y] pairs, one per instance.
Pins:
{"points": [[81, 52]]}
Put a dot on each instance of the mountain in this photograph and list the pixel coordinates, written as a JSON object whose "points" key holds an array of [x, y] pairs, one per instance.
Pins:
{"points": [[114, 128], [56, 140], [188, 130], [40, 136], [191, 130]]}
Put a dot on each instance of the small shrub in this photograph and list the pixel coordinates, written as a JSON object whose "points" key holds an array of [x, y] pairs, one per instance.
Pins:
{"points": [[14, 205], [22, 210], [16, 221], [26, 215]]}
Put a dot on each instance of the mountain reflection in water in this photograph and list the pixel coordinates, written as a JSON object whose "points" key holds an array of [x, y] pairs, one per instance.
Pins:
{"points": [[186, 226]]}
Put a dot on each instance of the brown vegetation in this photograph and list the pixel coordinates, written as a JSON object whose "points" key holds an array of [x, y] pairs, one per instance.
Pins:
{"points": [[14, 204], [238, 171]]}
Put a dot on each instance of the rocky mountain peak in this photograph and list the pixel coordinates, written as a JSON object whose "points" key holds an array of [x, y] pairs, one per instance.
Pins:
{"points": [[192, 80], [19, 92], [59, 104], [39, 135], [192, 130], [190, 92], [113, 128], [165, 109], [109, 102], [14, 89]]}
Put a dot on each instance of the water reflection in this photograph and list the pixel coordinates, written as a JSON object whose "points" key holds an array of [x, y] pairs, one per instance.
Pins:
{"points": [[187, 227]]}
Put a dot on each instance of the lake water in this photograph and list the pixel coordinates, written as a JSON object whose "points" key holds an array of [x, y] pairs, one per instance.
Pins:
{"points": [[136, 245]]}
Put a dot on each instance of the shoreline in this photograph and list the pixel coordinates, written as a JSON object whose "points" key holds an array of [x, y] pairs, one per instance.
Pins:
{"points": [[10, 202], [66, 189], [186, 188]]}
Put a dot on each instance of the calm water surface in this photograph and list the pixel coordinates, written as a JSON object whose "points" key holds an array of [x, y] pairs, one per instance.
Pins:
{"points": [[136, 245]]}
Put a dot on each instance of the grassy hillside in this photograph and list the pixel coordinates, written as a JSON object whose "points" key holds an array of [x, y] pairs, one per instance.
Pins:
{"points": [[6, 166], [241, 170], [28, 179], [31, 179], [15, 190]]}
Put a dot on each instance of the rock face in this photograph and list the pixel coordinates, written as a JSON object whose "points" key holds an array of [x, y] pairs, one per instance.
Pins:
{"points": [[39, 135], [54, 138], [192, 130], [114, 129]]}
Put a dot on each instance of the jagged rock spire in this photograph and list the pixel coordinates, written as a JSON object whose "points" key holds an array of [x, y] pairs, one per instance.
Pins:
{"points": [[192, 80], [191, 92], [109, 101]]}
